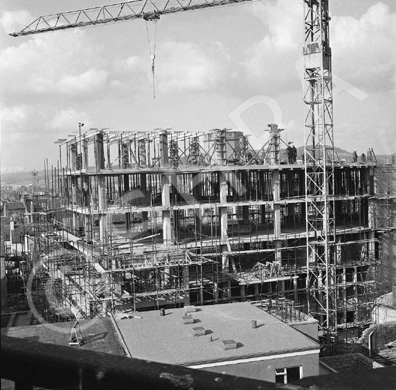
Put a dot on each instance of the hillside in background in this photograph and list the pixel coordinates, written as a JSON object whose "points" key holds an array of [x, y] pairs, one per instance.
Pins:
{"points": [[23, 178]]}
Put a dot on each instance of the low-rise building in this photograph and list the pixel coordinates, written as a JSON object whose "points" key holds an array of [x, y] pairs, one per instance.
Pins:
{"points": [[238, 338]]}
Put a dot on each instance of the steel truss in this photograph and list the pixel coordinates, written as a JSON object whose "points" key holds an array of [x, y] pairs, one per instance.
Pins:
{"points": [[319, 165], [129, 10]]}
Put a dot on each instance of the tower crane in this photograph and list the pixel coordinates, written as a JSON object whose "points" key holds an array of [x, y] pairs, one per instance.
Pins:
{"points": [[319, 142]]}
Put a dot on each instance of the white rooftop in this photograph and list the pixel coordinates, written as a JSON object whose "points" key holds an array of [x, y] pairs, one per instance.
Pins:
{"points": [[168, 339]]}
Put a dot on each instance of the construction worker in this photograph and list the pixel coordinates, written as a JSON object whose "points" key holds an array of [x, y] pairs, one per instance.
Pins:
{"points": [[294, 149], [355, 156], [290, 153]]}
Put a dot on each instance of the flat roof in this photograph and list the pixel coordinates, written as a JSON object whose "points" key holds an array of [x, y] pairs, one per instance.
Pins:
{"points": [[168, 339]]}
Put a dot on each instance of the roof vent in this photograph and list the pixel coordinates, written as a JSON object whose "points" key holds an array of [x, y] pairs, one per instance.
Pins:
{"points": [[188, 319], [229, 344], [199, 331], [190, 309]]}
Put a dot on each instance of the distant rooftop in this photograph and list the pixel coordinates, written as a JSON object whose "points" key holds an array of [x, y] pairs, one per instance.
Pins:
{"points": [[170, 338], [98, 334]]}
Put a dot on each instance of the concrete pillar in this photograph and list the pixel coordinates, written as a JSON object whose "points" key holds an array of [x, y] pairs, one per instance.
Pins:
{"points": [[143, 187], [99, 152], [74, 190], [263, 220], [216, 293], [85, 154], [245, 215], [243, 292], [87, 227], [371, 214], [163, 148], [201, 296], [186, 279], [73, 156], [142, 152], [166, 218], [295, 288], [276, 196], [196, 183], [145, 226], [223, 220], [103, 218], [371, 246]]}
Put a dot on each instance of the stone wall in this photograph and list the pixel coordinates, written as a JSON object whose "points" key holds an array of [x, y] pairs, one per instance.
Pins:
{"points": [[349, 361], [383, 334]]}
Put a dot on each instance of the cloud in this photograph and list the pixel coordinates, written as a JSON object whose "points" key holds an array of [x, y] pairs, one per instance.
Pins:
{"points": [[47, 65], [12, 21], [185, 67], [364, 53], [15, 114], [364, 49], [269, 64], [63, 120], [89, 82]]}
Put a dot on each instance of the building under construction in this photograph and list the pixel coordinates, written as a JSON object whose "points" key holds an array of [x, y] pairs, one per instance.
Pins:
{"points": [[143, 220], [166, 219]]}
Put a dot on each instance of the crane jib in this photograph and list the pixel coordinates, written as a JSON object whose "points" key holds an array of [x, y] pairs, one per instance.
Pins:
{"points": [[137, 9]]}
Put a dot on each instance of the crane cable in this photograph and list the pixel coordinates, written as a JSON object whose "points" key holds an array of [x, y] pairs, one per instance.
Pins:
{"points": [[152, 52]]}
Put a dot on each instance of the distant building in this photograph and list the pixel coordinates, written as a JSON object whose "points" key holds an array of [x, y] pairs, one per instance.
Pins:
{"points": [[385, 308], [238, 339]]}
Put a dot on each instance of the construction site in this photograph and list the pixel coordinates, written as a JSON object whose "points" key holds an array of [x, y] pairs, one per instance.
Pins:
{"points": [[165, 219]]}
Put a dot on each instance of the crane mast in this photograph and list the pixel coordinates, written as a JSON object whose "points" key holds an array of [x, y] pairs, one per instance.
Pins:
{"points": [[319, 165]]}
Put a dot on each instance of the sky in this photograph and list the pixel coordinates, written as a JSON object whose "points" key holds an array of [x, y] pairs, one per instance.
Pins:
{"points": [[226, 67]]}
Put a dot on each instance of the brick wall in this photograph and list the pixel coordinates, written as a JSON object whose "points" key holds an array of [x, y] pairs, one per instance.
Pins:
{"points": [[383, 334], [355, 361]]}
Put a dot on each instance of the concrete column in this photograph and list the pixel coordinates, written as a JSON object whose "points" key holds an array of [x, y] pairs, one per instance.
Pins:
{"points": [[145, 226], [263, 220], [142, 152], [257, 291], [87, 227], [74, 190], [216, 293], [223, 220], [85, 153], [245, 215], [143, 187], [243, 292], [276, 196], [99, 152], [186, 279], [166, 220], [73, 155], [103, 219], [196, 180], [295, 287], [163, 147], [371, 245], [278, 252], [371, 214]]}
